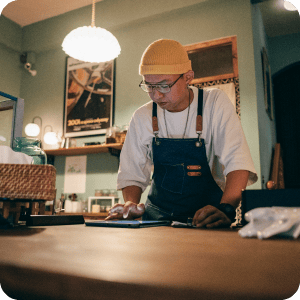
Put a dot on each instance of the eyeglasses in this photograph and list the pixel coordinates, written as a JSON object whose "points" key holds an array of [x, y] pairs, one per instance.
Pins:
{"points": [[162, 88]]}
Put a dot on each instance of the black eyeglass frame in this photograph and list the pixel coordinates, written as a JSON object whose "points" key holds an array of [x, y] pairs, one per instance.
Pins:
{"points": [[158, 85]]}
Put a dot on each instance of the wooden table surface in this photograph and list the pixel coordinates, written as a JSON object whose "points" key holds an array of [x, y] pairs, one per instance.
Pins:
{"points": [[79, 262]]}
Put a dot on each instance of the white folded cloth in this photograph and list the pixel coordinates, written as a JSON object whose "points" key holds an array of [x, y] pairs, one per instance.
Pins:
{"points": [[8, 156], [265, 222]]}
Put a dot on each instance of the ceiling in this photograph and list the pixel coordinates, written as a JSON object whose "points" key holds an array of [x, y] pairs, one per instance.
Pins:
{"points": [[277, 20], [26, 12]]}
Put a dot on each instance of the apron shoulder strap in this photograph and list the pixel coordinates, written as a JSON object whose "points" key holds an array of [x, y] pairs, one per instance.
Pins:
{"points": [[154, 118], [199, 111], [199, 114]]}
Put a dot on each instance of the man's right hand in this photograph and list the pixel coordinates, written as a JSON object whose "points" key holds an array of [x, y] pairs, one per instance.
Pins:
{"points": [[127, 211]]}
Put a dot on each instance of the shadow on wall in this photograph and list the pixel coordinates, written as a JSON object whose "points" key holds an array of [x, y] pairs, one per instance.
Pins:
{"points": [[96, 163]]}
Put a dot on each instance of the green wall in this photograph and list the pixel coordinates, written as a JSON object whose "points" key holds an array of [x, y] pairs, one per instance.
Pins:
{"points": [[10, 70], [266, 127], [10, 50], [284, 51], [135, 24]]}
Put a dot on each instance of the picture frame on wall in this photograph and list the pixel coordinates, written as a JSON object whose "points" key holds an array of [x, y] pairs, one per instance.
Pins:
{"points": [[268, 87], [89, 98]]}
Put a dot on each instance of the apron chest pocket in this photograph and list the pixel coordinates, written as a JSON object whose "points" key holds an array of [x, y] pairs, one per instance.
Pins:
{"points": [[173, 179]]}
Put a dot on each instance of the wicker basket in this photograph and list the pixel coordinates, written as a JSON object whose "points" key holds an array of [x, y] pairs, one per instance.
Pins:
{"points": [[32, 182]]}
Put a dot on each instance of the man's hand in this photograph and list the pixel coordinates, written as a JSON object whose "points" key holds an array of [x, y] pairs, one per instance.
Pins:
{"points": [[128, 211], [210, 217]]}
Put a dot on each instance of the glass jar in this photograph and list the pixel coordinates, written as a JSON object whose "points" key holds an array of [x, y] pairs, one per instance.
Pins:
{"points": [[123, 133], [98, 193], [105, 192], [113, 193], [112, 135], [31, 147]]}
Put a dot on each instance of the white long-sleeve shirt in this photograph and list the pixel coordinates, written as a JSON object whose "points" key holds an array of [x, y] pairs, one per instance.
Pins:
{"points": [[225, 142]]}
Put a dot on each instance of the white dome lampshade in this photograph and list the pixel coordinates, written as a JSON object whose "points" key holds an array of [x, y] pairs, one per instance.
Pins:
{"points": [[32, 129], [50, 138], [91, 44]]}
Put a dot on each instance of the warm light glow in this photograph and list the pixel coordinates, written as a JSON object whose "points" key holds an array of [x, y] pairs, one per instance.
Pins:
{"points": [[91, 44], [32, 129], [289, 6], [50, 138]]}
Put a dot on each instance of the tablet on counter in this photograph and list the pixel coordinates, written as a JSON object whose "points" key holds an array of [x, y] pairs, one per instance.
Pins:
{"points": [[126, 223]]}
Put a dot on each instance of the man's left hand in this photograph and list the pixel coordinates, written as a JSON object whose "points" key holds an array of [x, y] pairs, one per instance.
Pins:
{"points": [[210, 217]]}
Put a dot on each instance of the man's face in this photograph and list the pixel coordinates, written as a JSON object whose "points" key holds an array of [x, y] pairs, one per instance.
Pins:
{"points": [[172, 101]]}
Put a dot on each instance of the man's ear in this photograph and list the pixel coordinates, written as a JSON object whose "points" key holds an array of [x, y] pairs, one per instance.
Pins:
{"points": [[189, 76]]}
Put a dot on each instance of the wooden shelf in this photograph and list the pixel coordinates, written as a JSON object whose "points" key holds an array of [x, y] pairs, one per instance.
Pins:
{"points": [[84, 150]]}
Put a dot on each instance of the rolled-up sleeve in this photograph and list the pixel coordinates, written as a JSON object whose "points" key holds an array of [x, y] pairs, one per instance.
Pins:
{"points": [[135, 158]]}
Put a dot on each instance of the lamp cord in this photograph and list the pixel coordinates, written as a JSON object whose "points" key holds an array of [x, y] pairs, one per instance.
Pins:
{"points": [[93, 14]]}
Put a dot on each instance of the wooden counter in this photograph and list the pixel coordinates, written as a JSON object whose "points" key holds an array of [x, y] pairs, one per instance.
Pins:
{"points": [[79, 262]]}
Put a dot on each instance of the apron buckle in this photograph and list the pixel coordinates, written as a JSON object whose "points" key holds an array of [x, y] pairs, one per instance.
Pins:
{"points": [[157, 142], [198, 143]]}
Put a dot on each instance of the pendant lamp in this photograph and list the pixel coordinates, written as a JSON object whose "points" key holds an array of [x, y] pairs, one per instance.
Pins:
{"points": [[91, 44], [292, 5]]}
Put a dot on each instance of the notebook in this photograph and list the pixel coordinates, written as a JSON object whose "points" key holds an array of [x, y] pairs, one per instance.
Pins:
{"points": [[127, 223]]}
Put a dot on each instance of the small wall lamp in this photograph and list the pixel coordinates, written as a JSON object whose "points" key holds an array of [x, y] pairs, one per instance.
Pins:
{"points": [[33, 129], [50, 137]]}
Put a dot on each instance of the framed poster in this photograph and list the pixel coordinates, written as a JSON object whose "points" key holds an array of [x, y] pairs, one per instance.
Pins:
{"points": [[268, 87], [88, 98]]}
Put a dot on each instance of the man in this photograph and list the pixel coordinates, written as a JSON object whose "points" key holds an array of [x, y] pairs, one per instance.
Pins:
{"points": [[194, 139]]}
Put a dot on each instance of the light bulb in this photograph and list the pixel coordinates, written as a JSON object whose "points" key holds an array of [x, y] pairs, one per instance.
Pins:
{"points": [[32, 72], [32, 129]]}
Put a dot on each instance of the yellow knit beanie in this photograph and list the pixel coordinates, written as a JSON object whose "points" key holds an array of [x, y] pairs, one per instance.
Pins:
{"points": [[165, 57]]}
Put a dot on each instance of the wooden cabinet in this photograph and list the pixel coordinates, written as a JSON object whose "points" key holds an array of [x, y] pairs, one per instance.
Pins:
{"points": [[214, 60], [215, 64]]}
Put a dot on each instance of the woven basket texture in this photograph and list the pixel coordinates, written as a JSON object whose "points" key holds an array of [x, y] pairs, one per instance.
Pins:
{"points": [[36, 182]]}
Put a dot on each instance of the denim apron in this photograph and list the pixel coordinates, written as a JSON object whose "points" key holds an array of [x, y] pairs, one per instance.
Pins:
{"points": [[182, 182]]}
